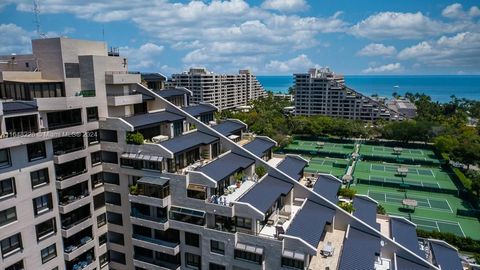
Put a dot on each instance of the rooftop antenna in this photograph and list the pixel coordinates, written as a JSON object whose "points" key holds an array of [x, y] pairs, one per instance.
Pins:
{"points": [[36, 11]]}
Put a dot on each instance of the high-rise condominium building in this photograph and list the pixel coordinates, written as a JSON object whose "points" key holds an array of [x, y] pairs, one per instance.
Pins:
{"points": [[322, 92], [225, 91], [99, 172]]}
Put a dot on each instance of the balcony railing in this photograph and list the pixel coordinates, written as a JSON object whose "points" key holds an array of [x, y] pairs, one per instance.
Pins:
{"points": [[82, 242], [137, 214], [155, 241], [68, 225]]}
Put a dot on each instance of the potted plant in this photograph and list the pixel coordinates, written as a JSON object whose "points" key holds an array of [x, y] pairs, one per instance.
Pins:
{"points": [[134, 189]]}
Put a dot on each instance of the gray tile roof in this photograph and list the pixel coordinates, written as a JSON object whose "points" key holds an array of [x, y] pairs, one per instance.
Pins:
{"points": [[229, 127], [197, 110], [153, 77], [309, 223], [405, 233], [225, 166], [359, 250], [263, 195], [259, 146], [366, 210], [188, 141], [171, 92], [403, 263], [292, 166], [19, 107], [445, 256], [152, 119], [328, 187]]}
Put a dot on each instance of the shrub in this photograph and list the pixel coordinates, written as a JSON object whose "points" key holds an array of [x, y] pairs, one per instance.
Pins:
{"points": [[133, 189], [462, 243], [466, 182], [381, 210], [347, 193], [135, 138], [260, 171], [346, 206]]}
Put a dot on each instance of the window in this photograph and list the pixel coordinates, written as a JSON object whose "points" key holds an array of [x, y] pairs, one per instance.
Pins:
{"points": [[292, 263], [96, 158], [103, 259], [16, 266], [242, 222], [93, 137], [242, 254], [101, 220], [42, 204], [113, 198], [99, 200], [214, 266], [117, 257], [49, 253], [46, 229], [193, 261], [8, 216], [192, 239], [187, 215], [102, 239], [217, 247], [7, 187], [114, 218], [11, 245], [116, 238], [63, 119], [39, 178], [92, 114], [5, 158], [107, 135], [36, 151]]}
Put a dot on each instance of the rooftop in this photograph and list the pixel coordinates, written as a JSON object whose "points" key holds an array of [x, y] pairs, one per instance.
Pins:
{"points": [[188, 141], [172, 92], [360, 250], [259, 146], [293, 166], [229, 127], [197, 110], [152, 119], [404, 232], [226, 166], [366, 210], [327, 186]]}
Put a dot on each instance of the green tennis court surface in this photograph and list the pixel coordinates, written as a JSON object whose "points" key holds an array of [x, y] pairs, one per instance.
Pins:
{"points": [[320, 147], [435, 211], [410, 155], [421, 177], [333, 166]]}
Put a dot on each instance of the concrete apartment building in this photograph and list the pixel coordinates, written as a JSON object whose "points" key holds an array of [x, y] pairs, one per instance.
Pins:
{"points": [[403, 106], [78, 192], [322, 92], [225, 91]]}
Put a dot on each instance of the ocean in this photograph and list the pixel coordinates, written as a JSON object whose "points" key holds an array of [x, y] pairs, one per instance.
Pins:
{"points": [[439, 87]]}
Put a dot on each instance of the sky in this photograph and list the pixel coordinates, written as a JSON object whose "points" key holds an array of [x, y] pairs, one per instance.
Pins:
{"points": [[270, 37]]}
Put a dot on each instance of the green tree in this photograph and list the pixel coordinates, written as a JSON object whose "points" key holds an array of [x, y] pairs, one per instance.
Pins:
{"points": [[446, 143], [381, 210]]}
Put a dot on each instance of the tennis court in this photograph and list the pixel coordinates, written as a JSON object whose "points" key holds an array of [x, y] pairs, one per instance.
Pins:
{"points": [[435, 211], [397, 198], [320, 147], [333, 166], [420, 177], [410, 155]]}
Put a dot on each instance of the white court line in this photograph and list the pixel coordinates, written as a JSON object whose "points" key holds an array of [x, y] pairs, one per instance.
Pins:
{"points": [[428, 200], [451, 210], [438, 228], [461, 229]]}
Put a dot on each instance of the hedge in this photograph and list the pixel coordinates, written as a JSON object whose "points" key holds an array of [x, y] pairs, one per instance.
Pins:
{"points": [[466, 182], [462, 243]]}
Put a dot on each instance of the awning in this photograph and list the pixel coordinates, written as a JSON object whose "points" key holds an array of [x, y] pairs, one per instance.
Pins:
{"points": [[141, 157], [252, 249], [159, 181]]}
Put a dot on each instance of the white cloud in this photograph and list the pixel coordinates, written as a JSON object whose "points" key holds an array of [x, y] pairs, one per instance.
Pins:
{"points": [[300, 63], [388, 68], [460, 50], [143, 57], [285, 5], [455, 11], [376, 49], [210, 31], [14, 39], [399, 25]]}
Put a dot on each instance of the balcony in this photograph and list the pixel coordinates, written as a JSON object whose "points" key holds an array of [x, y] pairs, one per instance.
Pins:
{"points": [[73, 202], [159, 223], [151, 263], [60, 103], [85, 261], [73, 228], [122, 77], [125, 99], [166, 247], [73, 251]]}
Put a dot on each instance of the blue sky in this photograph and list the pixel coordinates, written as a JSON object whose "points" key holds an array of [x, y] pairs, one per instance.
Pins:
{"points": [[269, 36]]}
